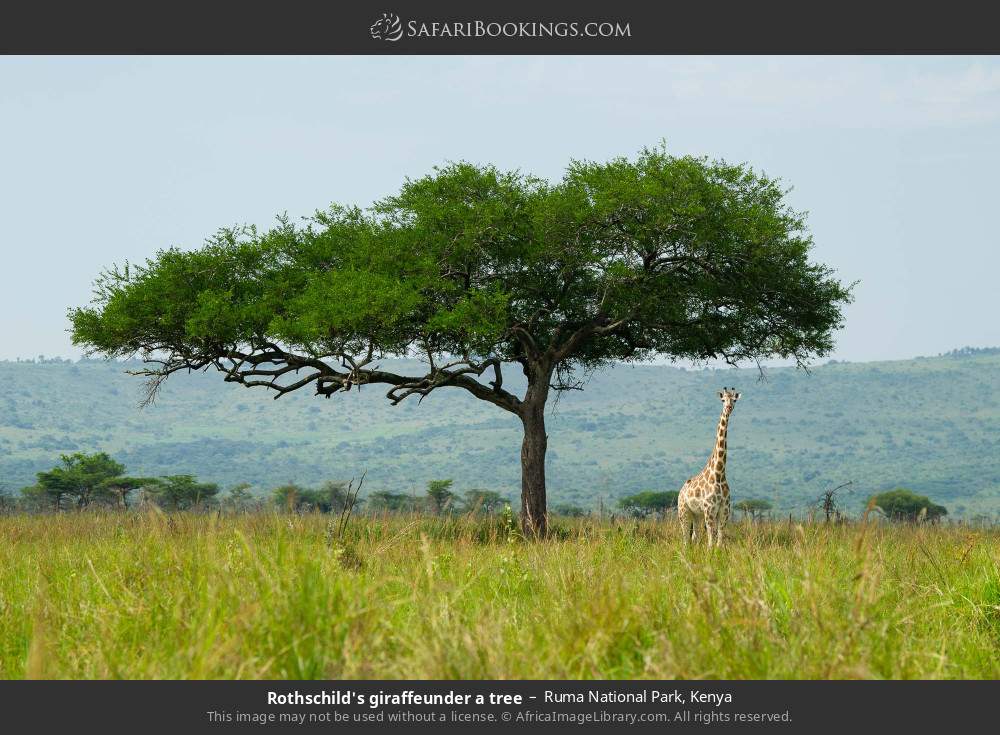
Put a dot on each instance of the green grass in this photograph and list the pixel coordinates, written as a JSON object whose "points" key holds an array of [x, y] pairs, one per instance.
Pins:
{"points": [[106, 595]]}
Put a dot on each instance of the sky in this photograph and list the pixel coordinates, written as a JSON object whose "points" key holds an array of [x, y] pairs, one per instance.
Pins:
{"points": [[895, 159]]}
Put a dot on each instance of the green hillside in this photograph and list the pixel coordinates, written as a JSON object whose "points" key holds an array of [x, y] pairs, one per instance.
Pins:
{"points": [[930, 424]]}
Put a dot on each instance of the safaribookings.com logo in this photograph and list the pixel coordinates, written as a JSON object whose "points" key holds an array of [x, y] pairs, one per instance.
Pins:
{"points": [[387, 28], [390, 28]]}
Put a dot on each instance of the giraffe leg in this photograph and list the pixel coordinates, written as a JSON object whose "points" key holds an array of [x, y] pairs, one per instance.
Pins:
{"points": [[712, 529], [687, 524], [723, 520]]}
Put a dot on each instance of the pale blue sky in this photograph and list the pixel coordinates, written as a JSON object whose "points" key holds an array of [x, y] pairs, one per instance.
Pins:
{"points": [[896, 159]]}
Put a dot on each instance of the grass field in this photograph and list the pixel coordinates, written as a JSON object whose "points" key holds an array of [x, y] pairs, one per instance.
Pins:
{"points": [[105, 595]]}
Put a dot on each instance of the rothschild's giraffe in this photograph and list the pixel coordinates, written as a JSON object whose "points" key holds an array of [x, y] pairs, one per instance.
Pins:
{"points": [[704, 499]]}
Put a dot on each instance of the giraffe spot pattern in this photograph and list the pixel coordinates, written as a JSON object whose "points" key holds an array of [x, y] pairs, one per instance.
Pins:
{"points": [[704, 498]]}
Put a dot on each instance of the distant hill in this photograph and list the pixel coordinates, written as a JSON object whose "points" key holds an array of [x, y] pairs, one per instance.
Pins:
{"points": [[930, 424]]}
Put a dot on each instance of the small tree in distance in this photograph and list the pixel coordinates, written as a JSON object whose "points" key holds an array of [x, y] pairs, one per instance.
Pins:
{"points": [[828, 502], [84, 477], [121, 487], [649, 502], [38, 497], [470, 269], [904, 505], [569, 510], [184, 492], [756, 508], [330, 497], [385, 501], [484, 501], [239, 497], [289, 497], [440, 498]]}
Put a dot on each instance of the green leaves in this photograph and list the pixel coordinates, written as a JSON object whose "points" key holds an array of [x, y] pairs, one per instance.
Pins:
{"points": [[81, 476], [905, 505], [178, 492], [646, 502], [349, 303], [677, 256]]}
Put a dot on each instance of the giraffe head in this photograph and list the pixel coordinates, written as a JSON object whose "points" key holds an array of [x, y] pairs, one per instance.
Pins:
{"points": [[728, 396]]}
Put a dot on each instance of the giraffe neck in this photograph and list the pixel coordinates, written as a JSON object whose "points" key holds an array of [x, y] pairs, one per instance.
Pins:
{"points": [[717, 461]]}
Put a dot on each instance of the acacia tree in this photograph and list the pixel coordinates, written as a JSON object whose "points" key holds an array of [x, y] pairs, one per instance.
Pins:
{"points": [[120, 487], [82, 476], [483, 501], [648, 502], [439, 495], [183, 492], [471, 268], [239, 497], [905, 505], [756, 508]]}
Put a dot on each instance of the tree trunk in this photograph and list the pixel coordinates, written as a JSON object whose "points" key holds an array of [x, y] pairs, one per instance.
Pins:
{"points": [[534, 521]]}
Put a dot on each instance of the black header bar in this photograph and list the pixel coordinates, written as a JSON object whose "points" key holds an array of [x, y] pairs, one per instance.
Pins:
{"points": [[512, 27]]}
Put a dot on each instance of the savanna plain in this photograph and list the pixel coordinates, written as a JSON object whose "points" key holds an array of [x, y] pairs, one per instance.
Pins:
{"points": [[107, 594]]}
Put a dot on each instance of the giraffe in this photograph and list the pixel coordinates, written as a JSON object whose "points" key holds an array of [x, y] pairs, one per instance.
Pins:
{"points": [[705, 497]]}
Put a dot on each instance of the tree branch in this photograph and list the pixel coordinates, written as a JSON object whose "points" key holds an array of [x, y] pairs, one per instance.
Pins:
{"points": [[271, 365]]}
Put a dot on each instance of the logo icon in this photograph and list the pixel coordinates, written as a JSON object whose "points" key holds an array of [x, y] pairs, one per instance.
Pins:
{"points": [[387, 28]]}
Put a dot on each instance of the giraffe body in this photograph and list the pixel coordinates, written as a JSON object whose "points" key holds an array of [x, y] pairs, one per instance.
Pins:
{"points": [[704, 499]]}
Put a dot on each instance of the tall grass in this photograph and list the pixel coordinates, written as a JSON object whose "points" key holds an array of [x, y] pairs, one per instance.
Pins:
{"points": [[122, 595]]}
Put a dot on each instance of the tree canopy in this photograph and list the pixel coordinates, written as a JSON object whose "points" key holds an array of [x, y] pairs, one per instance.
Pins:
{"points": [[440, 497], [905, 505], [754, 507], [83, 477], [331, 497], [182, 492], [120, 487], [382, 501], [484, 501], [648, 502], [472, 267]]}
